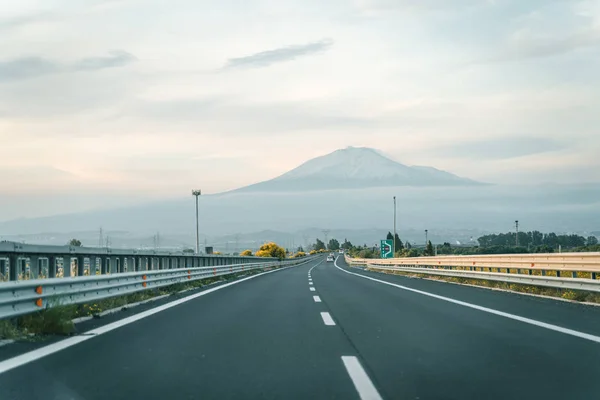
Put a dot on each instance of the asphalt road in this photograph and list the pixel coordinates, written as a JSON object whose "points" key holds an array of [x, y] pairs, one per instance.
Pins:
{"points": [[273, 337]]}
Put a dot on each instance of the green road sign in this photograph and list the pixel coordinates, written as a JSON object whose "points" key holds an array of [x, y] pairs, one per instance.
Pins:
{"points": [[386, 249]]}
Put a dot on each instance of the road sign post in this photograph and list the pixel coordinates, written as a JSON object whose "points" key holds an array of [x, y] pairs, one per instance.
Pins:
{"points": [[386, 248]]}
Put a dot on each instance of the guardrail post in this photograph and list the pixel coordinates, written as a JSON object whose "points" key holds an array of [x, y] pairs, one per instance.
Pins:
{"points": [[543, 272], [51, 267], [574, 274], [12, 265], [593, 275], [557, 273], [529, 272], [80, 262]]}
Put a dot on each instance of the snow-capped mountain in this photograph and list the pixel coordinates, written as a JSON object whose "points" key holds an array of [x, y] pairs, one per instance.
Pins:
{"points": [[356, 167]]}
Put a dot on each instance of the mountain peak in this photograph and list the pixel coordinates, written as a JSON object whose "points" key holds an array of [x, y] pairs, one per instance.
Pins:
{"points": [[356, 167]]}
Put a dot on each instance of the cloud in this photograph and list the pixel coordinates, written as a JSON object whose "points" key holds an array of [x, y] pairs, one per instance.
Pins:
{"points": [[523, 48], [117, 58], [375, 8], [214, 115], [23, 20], [282, 54], [502, 148], [27, 67], [31, 67]]}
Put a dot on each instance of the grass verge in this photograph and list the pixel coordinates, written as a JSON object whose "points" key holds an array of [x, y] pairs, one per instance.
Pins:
{"points": [[568, 294], [58, 320]]}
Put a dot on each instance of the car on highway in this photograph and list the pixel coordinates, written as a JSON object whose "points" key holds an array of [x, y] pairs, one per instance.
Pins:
{"points": [[330, 258]]}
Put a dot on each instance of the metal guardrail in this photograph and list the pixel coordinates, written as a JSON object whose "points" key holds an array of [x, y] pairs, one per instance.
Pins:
{"points": [[19, 262], [23, 297], [576, 271]]}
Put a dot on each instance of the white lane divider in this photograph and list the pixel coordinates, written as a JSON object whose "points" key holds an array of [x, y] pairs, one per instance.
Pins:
{"points": [[530, 321], [365, 388], [312, 289], [310, 283], [34, 355], [314, 266], [317, 299], [327, 320]]}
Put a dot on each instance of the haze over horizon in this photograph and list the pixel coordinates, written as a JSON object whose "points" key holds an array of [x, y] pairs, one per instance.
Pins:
{"points": [[144, 106]]}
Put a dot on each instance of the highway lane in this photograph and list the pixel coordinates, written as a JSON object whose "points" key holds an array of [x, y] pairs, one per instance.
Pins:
{"points": [[315, 331], [264, 338], [415, 346]]}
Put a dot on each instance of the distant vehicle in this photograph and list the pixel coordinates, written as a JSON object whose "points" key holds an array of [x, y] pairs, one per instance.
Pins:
{"points": [[341, 251], [330, 258]]}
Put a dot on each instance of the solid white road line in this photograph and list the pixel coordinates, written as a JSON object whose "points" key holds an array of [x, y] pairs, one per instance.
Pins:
{"points": [[312, 289], [34, 355], [530, 321], [365, 388], [317, 299], [319, 263], [327, 320]]}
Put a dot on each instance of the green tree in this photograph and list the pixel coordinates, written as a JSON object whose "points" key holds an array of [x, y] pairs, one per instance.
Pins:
{"points": [[346, 245], [591, 241], [398, 245], [389, 236], [300, 249], [428, 249], [408, 246], [246, 253], [333, 244], [75, 242], [319, 245]]}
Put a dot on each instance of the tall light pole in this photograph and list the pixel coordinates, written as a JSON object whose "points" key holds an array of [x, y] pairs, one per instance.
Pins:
{"points": [[425, 237], [326, 233], [517, 236], [197, 193], [394, 241]]}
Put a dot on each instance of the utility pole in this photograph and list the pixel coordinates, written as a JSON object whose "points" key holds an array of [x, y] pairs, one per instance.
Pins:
{"points": [[426, 237], [394, 241], [517, 235], [197, 193]]}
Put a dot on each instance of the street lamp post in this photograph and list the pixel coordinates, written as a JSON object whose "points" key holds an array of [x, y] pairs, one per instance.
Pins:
{"points": [[197, 193], [425, 237], [394, 241]]}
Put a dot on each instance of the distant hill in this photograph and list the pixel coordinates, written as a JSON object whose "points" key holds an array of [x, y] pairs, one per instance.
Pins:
{"points": [[356, 167]]}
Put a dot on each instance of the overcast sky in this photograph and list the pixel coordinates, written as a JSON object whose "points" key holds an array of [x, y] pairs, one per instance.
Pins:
{"points": [[108, 102]]}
